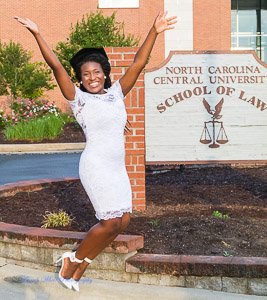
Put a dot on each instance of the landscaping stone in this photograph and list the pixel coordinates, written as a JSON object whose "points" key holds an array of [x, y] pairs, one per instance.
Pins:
{"points": [[30, 253], [257, 286], [204, 282], [235, 285], [161, 279], [111, 275], [154, 264], [13, 251], [111, 261]]}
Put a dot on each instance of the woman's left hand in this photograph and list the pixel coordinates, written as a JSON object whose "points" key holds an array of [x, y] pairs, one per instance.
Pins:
{"points": [[162, 23], [29, 24]]}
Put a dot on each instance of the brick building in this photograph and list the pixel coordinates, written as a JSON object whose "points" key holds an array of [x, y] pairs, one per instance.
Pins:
{"points": [[202, 24]]}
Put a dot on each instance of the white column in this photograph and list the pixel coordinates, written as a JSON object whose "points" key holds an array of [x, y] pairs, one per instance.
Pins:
{"points": [[180, 38]]}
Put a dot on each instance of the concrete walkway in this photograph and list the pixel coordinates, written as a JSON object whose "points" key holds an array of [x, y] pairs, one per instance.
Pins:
{"points": [[17, 283], [41, 148]]}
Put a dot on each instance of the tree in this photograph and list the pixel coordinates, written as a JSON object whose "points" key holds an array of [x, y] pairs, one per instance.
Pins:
{"points": [[18, 76], [94, 30]]}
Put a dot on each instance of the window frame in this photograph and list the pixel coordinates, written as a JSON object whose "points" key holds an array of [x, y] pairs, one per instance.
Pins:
{"points": [[259, 47]]}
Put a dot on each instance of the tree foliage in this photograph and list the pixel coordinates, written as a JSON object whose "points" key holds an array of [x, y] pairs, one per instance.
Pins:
{"points": [[94, 30], [18, 76]]}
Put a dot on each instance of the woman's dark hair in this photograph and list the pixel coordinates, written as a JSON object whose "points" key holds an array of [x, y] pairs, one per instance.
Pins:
{"points": [[99, 58], [96, 55]]}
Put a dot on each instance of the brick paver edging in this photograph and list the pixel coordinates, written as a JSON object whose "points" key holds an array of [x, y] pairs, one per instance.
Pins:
{"points": [[51, 238], [10, 189], [196, 265], [39, 247]]}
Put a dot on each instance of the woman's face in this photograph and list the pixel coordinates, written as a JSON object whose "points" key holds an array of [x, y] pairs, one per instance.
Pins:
{"points": [[93, 77]]}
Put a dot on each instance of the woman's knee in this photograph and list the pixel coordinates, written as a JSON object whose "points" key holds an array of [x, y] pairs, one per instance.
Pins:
{"points": [[125, 221], [112, 225]]}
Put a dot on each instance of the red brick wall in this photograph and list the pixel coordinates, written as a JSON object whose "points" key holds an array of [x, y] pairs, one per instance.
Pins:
{"points": [[212, 25], [55, 18], [120, 59]]}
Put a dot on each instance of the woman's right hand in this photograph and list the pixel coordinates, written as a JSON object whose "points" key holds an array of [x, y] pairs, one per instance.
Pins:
{"points": [[29, 24]]}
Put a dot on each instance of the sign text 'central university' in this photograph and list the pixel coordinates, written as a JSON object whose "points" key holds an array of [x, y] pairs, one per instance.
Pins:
{"points": [[207, 107]]}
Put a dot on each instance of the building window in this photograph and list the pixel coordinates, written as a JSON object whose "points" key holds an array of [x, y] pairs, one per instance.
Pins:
{"points": [[118, 3], [249, 26]]}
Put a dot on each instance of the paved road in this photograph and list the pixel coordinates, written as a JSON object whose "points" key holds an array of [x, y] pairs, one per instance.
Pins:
{"points": [[17, 167]]}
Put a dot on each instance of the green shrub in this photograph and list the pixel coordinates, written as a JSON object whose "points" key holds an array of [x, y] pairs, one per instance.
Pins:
{"points": [[18, 76], [219, 215], [94, 30], [47, 127], [154, 223], [56, 219]]}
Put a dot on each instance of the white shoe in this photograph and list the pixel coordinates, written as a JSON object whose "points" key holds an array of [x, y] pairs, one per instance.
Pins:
{"points": [[65, 281], [75, 283]]}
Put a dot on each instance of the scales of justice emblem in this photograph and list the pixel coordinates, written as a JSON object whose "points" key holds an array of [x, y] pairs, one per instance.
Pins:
{"points": [[206, 137]]}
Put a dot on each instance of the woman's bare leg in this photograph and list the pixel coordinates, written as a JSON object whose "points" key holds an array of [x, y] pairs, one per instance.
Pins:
{"points": [[94, 242], [82, 267]]}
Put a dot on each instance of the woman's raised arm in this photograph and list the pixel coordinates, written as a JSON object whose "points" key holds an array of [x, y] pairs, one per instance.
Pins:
{"points": [[161, 24], [66, 85]]}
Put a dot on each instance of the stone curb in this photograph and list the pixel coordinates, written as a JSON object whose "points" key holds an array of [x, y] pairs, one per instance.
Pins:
{"points": [[37, 148]]}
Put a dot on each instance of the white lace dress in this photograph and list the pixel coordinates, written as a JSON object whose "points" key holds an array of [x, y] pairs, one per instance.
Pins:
{"points": [[102, 164]]}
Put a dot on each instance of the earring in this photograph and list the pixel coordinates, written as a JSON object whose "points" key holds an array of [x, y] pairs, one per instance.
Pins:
{"points": [[81, 82], [105, 77]]}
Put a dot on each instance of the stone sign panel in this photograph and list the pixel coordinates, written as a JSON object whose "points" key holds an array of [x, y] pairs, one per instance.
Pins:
{"points": [[206, 107]]}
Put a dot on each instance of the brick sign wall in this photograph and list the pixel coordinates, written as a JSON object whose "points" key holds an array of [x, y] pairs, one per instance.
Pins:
{"points": [[121, 58]]}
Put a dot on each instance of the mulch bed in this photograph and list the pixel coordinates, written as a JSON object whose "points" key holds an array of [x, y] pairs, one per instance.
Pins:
{"points": [[178, 218], [180, 203]]}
